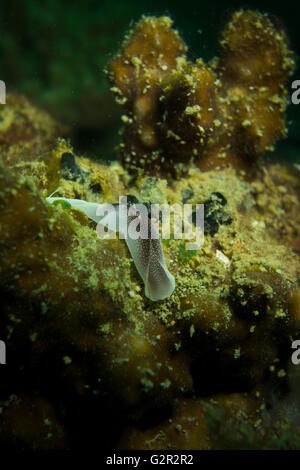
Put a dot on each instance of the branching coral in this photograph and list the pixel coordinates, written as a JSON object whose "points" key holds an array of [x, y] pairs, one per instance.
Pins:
{"points": [[228, 112]]}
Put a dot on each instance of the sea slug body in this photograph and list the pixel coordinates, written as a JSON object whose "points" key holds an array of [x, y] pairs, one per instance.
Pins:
{"points": [[146, 250]]}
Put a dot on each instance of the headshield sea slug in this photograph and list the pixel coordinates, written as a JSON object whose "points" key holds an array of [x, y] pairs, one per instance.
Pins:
{"points": [[146, 250]]}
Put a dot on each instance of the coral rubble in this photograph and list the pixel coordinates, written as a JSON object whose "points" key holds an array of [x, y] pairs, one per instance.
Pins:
{"points": [[227, 112], [209, 366]]}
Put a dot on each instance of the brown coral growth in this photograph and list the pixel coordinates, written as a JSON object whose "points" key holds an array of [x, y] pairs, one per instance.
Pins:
{"points": [[226, 113]]}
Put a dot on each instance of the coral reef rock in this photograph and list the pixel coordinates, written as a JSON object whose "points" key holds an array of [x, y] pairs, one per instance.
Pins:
{"points": [[208, 367], [227, 112]]}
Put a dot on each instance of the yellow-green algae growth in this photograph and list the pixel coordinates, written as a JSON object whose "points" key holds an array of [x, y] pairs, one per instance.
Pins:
{"points": [[85, 345], [233, 302]]}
